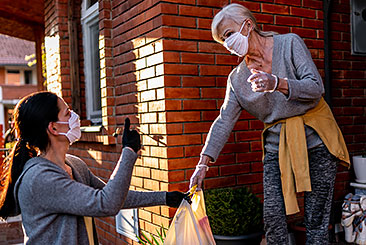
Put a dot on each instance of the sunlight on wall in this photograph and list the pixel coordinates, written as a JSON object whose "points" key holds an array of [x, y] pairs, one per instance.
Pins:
{"points": [[53, 64], [103, 80], [150, 91], [96, 156], [149, 74]]}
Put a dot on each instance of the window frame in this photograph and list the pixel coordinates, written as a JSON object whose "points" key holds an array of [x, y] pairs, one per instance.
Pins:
{"points": [[127, 223], [90, 16]]}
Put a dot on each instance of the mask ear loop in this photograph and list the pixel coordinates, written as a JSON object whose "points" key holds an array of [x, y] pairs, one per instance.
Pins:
{"points": [[242, 26]]}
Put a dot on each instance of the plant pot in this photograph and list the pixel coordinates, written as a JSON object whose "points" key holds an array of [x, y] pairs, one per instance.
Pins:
{"points": [[359, 166], [250, 239]]}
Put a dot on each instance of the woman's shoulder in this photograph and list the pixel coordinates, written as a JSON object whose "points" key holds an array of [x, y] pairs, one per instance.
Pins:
{"points": [[37, 169], [289, 39], [38, 164], [76, 162], [287, 36], [74, 159]]}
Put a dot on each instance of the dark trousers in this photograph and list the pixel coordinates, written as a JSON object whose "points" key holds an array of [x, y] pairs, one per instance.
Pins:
{"points": [[323, 168]]}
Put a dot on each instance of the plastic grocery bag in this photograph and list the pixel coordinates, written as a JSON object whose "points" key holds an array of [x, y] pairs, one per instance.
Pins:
{"points": [[190, 224]]}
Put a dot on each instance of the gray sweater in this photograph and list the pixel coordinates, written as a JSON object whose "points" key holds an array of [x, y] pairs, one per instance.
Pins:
{"points": [[53, 205], [292, 60]]}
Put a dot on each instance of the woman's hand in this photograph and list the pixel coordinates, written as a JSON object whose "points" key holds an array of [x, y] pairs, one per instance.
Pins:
{"points": [[174, 198], [262, 81], [200, 172], [131, 138]]}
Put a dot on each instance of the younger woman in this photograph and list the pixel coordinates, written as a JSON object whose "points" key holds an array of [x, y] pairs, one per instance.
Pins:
{"points": [[55, 192]]}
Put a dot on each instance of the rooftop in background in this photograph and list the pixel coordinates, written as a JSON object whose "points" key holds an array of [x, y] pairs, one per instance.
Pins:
{"points": [[13, 50]]}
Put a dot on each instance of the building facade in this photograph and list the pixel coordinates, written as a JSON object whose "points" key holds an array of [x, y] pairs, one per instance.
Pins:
{"points": [[18, 74], [156, 63]]}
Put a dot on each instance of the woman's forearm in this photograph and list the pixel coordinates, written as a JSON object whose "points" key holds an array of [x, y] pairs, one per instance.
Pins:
{"points": [[282, 86], [138, 199], [204, 160]]}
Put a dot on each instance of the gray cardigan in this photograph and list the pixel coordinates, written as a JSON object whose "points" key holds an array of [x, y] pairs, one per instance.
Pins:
{"points": [[290, 59], [53, 205]]}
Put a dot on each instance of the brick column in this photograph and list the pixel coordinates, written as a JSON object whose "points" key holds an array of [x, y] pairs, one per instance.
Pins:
{"points": [[138, 72], [57, 47], [106, 67]]}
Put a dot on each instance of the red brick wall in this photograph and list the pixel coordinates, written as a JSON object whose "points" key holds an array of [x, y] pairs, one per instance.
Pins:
{"points": [[54, 32], [57, 55], [195, 83], [11, 92], [139, 94], [349, 90]]}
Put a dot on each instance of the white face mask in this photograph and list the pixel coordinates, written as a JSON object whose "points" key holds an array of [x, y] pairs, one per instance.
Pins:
{"points": [[74, 132], [237, 43]]}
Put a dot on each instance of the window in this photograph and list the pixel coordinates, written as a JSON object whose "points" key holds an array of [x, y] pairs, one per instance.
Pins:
{"points": [[13, 71], [13, 77], [358, 25], [91, 3], [27, 77], [127, 223], [90, 23]]}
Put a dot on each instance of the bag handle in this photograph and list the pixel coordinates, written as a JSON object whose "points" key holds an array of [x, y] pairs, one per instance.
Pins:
{"points": [[195, 224]]}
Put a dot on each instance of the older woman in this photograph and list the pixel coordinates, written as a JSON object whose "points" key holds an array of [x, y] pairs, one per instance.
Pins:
{"points": [[279, 84], [55, 192]]}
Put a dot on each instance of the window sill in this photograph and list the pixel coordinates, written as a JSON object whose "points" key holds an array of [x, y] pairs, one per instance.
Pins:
{"points": [[96, 134], [91, 129]]}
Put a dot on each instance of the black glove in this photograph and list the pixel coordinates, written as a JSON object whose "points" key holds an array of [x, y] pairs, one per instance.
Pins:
{"points": [[174, 198], [130, 138]]}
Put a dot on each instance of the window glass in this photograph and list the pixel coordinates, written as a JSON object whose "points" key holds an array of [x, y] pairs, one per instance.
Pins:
{"points": [[28, 77], [90, 24], [95, 65], [91, 3]]}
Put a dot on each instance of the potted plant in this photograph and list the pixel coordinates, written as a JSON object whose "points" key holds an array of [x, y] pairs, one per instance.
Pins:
{"points": [[235, 216]]}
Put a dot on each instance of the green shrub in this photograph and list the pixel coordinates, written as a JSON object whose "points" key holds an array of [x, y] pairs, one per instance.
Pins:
{"points": [[233, 212]]}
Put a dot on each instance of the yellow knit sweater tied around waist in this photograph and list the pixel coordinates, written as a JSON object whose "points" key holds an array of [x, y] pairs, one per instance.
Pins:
{"points": [[293, 155]]}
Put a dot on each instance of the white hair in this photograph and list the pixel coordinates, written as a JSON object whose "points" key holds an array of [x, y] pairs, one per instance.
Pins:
{"points": [[237, 13]]}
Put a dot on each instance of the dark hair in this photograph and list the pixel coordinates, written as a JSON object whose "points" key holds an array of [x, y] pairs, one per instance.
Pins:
{"points": [[32, 115]]}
